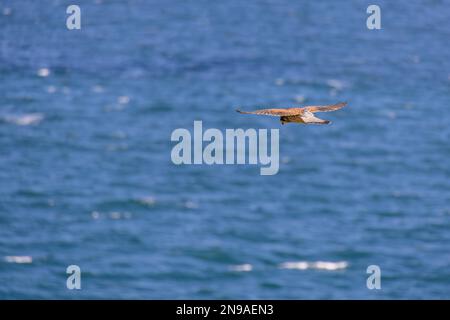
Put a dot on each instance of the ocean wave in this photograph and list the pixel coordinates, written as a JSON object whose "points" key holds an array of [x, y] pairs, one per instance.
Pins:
{"points": [[113, 215], [147, 201], [318, 265], [24, 119], [241, 267], [19, 259], [43, 72]]}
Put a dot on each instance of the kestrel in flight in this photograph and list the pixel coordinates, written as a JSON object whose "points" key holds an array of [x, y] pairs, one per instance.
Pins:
{"points": [[299, 115]]}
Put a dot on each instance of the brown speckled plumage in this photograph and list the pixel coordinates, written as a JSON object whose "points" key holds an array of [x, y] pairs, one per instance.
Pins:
{"points": [[298, 115]]}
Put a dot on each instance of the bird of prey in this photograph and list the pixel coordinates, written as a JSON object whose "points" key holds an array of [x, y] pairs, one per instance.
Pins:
{"points": [[303, 115]]}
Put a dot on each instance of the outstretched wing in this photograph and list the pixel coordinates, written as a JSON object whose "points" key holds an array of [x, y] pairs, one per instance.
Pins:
{"points": [[275, 112], [331, 107]]}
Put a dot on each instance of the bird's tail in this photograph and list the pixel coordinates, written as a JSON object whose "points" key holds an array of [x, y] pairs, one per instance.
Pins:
{"points": [[243, 112], [320, 122], [315, 120]]}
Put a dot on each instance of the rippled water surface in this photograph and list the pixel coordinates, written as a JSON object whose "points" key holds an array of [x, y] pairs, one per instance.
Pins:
{"points": [[86, 176]]}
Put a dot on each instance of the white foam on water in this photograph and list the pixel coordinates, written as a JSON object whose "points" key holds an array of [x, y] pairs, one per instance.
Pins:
{"points": [[148, 200], [95, 215], [391, 114], [318, 265], [285, 159], [190, 205], [51, 89], [19, 259], [323, 265], [116, 215], [123, 100], [97, 89], [246, 267], [119, 135], [336, 84], [43, 72], [301, 265], [25, 119], [299, 98], [113, 215]]}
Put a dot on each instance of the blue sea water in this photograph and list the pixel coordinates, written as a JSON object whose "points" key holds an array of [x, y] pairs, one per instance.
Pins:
{"points": [[86, 176]]}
